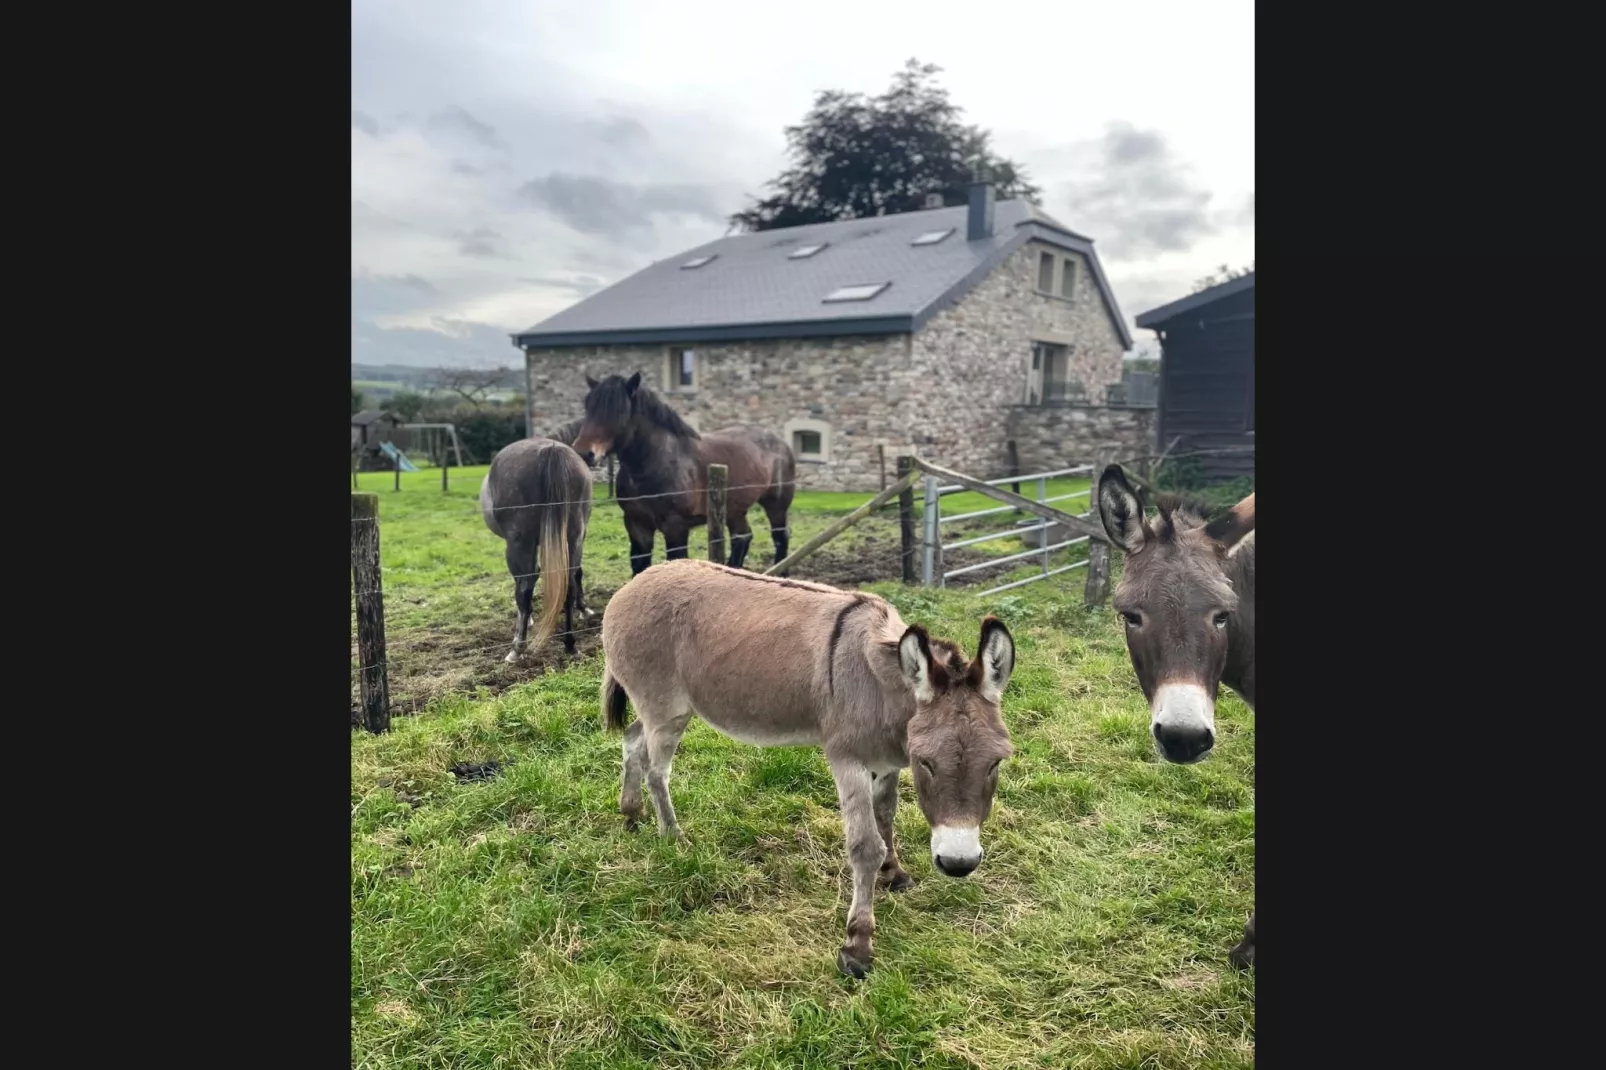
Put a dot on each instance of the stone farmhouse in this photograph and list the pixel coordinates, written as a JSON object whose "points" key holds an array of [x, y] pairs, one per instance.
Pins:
{"points": [[980, 336]]}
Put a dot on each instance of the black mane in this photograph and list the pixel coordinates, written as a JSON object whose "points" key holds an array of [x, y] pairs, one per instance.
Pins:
{"points": [[609, 402], [1174, 506]]}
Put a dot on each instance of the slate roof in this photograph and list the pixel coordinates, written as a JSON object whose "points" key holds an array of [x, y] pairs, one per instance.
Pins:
{"points": [[751, 289], [1156, 316]]}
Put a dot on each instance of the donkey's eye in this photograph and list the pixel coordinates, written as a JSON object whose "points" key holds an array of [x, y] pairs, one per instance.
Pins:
{"points": [[927, 767], [1133, 620], [1222, 618], [993, 771]]}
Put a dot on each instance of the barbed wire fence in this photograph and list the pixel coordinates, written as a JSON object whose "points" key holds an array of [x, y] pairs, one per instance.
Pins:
{"points": [[372, 651]]}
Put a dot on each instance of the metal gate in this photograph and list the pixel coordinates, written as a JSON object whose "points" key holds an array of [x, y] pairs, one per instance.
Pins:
{"points": [[932, 574]]}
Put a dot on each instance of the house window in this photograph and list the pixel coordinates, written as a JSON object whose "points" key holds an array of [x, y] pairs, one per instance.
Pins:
{"points": [[810, 439], [1049, 377], [1068, 279], [681, 373], [1045, 272]]}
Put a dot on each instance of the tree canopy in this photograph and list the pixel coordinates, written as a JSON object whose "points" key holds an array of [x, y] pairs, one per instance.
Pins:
{"points": [[855, 156], [1222, 274]]}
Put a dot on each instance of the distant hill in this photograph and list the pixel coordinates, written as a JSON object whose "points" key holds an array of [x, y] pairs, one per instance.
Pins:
{"points": [[379, 381]]}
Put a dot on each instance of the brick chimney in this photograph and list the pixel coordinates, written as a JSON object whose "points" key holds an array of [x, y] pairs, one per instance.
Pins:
{"points": [[981, 207]]}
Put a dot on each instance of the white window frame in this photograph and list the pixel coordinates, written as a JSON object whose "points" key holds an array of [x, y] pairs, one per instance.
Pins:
{"points": [[819, 427], [672, 384], [1053, 272], [1067, 279]]}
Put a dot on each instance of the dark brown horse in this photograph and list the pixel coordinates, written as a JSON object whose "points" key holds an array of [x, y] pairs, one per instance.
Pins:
{"points": [[1187, 596], [663, 466]]}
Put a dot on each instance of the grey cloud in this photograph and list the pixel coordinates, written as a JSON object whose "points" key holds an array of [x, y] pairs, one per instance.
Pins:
{"points": [[364, 122], [458, 343], [461, 168], [594, 205], [1143, 293], [1246, 214], [579, 285], [624, 132], [1137, 197], [378, 295], [456, 120], [480, 242]]}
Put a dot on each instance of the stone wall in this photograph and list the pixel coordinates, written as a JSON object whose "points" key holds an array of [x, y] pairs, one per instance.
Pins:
{"points": [[947, 392], [1053, 436], [856, 385], [978, 353]]}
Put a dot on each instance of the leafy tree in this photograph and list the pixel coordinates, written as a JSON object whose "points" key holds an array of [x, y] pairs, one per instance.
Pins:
{"points": [[356, 399], [854, 157], [1222, 274], [406, 404], [470, 384]]}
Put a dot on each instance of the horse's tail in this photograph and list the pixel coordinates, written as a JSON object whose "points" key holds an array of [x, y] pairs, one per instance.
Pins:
{"points": [[614, 702], [554, 557]]}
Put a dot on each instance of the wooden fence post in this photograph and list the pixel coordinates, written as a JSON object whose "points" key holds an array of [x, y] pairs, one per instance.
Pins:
{"points": [[906, 519], [881, 457], [1014, 467], [353, 469], [398, 469], [446, 462], [367, 587], [718, 479], [1098, 553], [611, 492], [931, 560]]}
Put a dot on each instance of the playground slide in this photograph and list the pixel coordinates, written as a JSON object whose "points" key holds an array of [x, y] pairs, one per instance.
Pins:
{"points": [[397, 455]]}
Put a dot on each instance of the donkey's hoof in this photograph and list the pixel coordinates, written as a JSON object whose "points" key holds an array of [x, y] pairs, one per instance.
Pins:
{"points": [[513, 657], [1243, 956], [848, 964], [901, 882]]}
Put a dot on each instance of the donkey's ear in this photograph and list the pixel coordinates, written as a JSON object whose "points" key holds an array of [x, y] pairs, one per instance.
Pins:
{"points": [[590, 382], [631, 384], [1232, 528], [1121, 509], [995, 659], [914, 655]]}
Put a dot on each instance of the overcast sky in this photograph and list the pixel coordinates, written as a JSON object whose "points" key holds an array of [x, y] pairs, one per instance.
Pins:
{"points": [[509, 157]]}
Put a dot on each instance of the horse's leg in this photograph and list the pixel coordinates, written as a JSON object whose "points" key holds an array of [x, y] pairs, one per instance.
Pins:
{"points": [[521, 558], [866, 850], [663, 734], [639, 527], [676, 534], [1243, 956], [741, 537], [886, 808], [775, 509], [635, 749]]}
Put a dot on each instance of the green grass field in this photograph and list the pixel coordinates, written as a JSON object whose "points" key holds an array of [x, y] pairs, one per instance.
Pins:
{"points": [[515, 923]]}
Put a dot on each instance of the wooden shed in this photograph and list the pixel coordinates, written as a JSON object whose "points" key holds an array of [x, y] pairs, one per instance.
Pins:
{"points": [[1207, 376]]}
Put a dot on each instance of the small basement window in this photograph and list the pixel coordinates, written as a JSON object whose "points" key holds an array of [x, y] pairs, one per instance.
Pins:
{"points": [[697, 262], [810, 439], [1045, 272], [932, 237], [857, 293], [680, 372], [1068, 279], [803, 251]]}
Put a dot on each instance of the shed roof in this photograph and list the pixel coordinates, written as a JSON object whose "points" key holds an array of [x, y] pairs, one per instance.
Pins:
{"points": [[1157, 316]]}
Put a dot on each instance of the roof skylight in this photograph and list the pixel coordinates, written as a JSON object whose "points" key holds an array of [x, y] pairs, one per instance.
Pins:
{"points": [[857, 293], [807, 250], [932, 237], [696, 262]]}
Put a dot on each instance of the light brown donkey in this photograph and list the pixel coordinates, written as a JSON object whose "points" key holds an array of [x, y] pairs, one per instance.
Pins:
{"points": [[781, 663]]}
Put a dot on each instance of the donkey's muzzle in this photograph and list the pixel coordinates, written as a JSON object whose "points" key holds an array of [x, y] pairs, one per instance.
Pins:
{"points": [[1184, 743], [589, 457], [957, 867], [956, 850]]}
